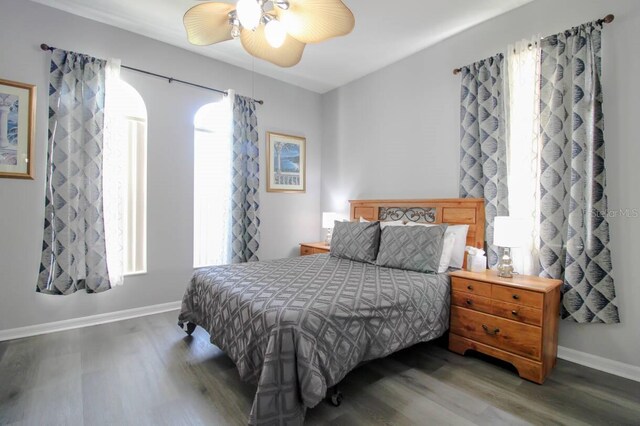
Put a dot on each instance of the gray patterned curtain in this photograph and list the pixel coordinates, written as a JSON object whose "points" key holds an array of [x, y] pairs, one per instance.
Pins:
{"points": [[573, 224], [73, 251], [245, 182], [483, 153]]}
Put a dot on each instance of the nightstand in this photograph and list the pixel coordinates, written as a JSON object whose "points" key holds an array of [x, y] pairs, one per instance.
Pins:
{"points": [[513, 319], [314, 248]]}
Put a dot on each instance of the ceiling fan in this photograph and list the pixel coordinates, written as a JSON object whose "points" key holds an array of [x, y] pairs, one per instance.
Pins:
{"points": [[274, 30]]}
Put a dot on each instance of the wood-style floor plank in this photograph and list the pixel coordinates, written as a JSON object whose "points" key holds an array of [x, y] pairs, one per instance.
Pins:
{"points": [[146, 371]]}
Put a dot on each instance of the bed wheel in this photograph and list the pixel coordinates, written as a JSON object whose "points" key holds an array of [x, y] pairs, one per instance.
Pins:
{"points": [[336, 398], [191, 327]]}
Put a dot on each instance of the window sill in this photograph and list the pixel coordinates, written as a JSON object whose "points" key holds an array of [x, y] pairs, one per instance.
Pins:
{"points": [[134, 274]]}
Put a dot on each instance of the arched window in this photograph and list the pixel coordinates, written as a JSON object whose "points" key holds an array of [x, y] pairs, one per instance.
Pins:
{"points": [[130, 124], [212, 184]]}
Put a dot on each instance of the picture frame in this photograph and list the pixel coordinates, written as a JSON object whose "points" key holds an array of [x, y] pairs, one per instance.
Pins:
{"points": [[17, 129], [286, 163]]}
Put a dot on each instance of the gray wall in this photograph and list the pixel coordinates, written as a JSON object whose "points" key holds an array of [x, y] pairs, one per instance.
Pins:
{"points": [[286, 219], [395, 134]]}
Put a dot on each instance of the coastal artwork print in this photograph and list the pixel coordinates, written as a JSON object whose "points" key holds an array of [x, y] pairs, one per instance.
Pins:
{"points": [[286, 163], [17, 108]]}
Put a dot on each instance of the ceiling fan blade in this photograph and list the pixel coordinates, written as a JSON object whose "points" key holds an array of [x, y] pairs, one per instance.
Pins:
{"points": [[287, 55], [208, 23], [313, 21]]}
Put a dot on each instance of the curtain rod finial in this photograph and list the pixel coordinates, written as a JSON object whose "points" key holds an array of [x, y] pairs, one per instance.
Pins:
{"points": [[45, 46], [456, 71], [609, 19]]}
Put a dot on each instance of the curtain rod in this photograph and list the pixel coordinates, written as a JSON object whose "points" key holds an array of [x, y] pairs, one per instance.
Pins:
{"points": [[606, 20], [46, 47]]}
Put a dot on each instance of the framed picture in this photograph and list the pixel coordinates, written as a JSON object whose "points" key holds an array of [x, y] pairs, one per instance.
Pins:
{"points": [[286, 163], [17, 124]]}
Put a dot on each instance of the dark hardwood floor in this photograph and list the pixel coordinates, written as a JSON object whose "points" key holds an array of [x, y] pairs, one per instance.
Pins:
{"points": [[146, 371]]}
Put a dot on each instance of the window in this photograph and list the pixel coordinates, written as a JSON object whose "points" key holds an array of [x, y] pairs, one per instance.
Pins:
{"points": [[212, 184], [130, 128], [523, 61]]}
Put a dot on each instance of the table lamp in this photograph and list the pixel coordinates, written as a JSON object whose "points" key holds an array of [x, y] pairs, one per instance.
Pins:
{"points": [[508, 234]]}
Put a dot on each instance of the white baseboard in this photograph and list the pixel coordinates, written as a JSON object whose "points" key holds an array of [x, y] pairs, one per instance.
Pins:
{"points": [[610, 366], [52, 327]]}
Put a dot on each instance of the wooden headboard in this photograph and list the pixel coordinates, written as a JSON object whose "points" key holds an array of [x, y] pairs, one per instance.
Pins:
{"points": [[453, 211]]}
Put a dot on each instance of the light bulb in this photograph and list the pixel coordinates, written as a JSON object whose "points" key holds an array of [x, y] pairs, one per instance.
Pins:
{"points": [[249, 13], [275, 33]]}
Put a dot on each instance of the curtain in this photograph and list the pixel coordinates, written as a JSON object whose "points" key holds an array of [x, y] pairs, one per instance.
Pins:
{"points": [[483, 156], [245, 181], [523, 147], [573, 222], [114, 175], [73, 251]]}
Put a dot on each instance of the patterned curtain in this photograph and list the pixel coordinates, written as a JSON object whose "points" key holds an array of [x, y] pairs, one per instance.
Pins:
{"points": [[73, 251], [245, 181], [573, 223], [483, 156]]}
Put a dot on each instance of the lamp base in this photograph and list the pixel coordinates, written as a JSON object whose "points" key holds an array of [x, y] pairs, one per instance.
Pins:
{"points": [[505, 266], [329, 236]]}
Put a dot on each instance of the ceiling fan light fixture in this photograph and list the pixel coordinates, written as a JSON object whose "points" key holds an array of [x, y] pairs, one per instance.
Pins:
{"points": [[249, 13], [235, 32], [274, 30], [275, 33], [282, 4]]}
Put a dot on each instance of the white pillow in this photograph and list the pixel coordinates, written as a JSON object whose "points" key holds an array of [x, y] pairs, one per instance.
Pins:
{"points": [[384, 224], [447, 249], [391, 223], [460, 232]]}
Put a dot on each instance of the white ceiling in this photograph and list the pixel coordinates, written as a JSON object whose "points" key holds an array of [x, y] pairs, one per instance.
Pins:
{"points": [[386, 31]]}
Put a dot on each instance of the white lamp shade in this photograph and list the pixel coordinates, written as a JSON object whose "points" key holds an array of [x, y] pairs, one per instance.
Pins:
{"points": [[249, 13], [328, 218], [275, 33], [509, 231]]}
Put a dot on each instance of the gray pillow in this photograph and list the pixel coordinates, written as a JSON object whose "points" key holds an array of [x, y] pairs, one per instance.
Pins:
{"points": [[356, 241], [414, 248]]}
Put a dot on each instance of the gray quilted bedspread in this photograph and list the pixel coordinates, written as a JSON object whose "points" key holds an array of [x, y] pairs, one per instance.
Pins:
{"points": [[297, 326]]}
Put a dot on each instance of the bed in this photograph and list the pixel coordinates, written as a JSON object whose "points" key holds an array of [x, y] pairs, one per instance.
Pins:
{"points": [[295, 327]]}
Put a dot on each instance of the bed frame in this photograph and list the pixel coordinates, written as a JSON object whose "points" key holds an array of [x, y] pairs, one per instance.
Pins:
{"points": [[452, 211]]}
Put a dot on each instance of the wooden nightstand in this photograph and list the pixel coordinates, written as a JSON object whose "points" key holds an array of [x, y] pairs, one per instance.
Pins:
{"points": [[513, 319], [313, 248]]}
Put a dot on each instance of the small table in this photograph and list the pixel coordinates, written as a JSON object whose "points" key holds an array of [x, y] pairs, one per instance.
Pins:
{"points": [[314, 248]]}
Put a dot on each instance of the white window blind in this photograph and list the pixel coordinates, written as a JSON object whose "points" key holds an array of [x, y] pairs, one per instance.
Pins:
{"points": [[130, 126], [523, 59], [212, 184]]}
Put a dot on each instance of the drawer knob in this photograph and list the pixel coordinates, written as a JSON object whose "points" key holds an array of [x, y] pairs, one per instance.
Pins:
{"points": [[469, 287], [514, 313], [490, 332], [469, 302], [516, 297]]}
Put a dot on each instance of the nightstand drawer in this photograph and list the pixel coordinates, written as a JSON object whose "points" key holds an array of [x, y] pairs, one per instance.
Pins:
{"points": [[305, 251], [517, 312], [313, 248], [517, 338], [470, 286], [471, 301], [517, 296]]}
